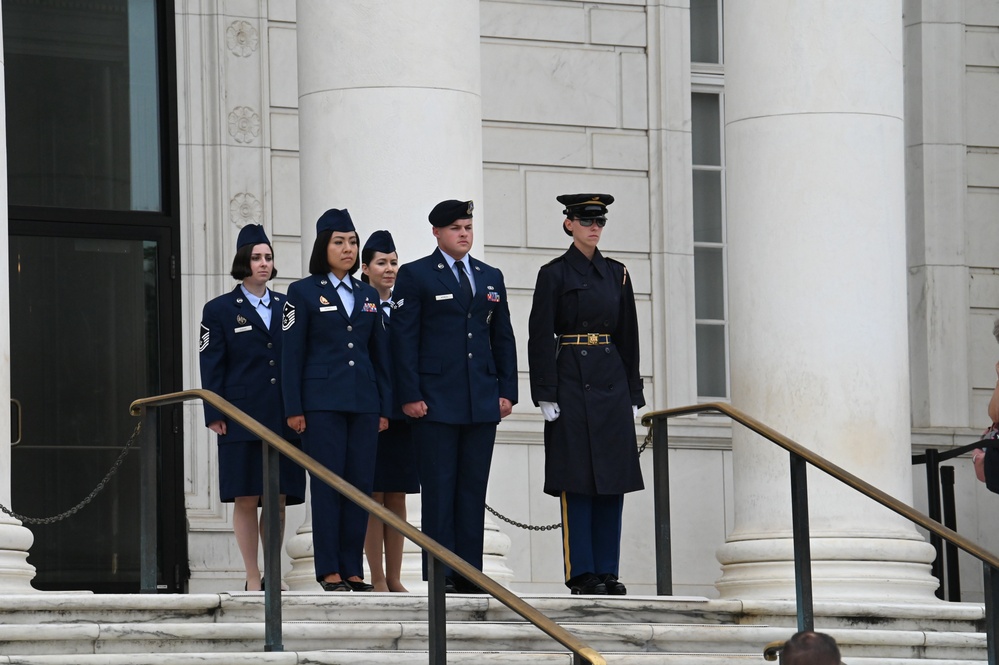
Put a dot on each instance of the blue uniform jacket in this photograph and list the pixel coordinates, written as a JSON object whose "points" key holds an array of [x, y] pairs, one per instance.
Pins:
{"points": [[459, 361], [241, 362], [332, 360]]}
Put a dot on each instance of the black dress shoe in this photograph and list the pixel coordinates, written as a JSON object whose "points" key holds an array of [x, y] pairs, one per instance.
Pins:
{"points": [[449, 586], [614, 588], [336, 586], [463, 585], [361, 586], [587, 584]]}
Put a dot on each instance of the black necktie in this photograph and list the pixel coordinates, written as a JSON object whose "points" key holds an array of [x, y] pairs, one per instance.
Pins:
{"points": [[466, 286], [387, 306]]}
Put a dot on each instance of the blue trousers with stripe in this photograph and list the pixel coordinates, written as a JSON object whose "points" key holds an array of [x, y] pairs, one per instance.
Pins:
{"points": [[591, 533]]}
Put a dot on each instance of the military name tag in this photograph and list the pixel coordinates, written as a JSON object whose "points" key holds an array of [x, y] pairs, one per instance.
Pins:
{"points": [[243, 329], [328, 308], [445, 296]]}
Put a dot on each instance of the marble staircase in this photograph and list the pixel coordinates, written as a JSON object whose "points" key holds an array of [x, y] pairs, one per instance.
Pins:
{"points": [[376, 629]]}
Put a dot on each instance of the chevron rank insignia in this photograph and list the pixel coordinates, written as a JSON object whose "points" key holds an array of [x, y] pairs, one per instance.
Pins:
{"points": [[203, 344], [287, 316]]}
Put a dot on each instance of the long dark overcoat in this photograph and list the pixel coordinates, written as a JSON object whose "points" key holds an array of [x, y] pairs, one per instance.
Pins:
{"points": [[590, 449]]}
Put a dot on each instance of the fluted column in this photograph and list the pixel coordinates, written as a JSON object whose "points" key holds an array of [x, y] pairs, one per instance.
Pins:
{"points": [[390, 123], [15, 540], [817, 292]]}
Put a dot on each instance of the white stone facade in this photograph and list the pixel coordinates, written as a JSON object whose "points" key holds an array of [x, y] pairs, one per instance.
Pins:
{"points": [[580, 96]]}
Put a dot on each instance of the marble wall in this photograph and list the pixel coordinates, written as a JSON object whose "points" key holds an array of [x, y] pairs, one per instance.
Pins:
{"points": [[576, 97]]}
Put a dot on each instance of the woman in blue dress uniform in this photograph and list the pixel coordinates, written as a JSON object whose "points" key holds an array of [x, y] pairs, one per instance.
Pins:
{"points": [[239, 353], [336, 392], [583, 359], [396, 466]]}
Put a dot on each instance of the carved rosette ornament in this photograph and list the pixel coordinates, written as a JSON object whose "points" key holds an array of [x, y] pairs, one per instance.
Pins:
{"points": [[245, 209], [244, 124], [241, 38]]}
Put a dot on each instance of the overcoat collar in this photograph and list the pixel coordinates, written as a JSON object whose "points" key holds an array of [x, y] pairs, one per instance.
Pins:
{"points": [[581, 264]]}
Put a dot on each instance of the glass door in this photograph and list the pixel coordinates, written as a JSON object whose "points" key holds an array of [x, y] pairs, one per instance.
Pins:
{"points": [[86, 326]]}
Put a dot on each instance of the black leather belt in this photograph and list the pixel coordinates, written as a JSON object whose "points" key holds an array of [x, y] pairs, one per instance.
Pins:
{"points": [[584, 339]]}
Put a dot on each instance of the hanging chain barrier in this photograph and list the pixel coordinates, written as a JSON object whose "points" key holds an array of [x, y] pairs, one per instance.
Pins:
{"points": [[135, 433], [558, 525], [90, 497]]}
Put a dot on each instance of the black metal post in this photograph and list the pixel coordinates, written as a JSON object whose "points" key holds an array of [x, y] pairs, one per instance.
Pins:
{"points": [[436, 611], [147, 502], [950, 521], [802, 546], [933, 509], [272, 549], [991, 594], [660, 469]]}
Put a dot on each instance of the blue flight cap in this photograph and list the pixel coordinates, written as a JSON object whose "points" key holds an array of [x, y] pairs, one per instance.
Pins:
{"points": [[251, 234], [380, 241], [336, 221]]}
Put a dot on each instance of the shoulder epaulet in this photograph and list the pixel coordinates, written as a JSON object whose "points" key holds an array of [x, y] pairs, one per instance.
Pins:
{"points": [[557, 259], [624, 268]]}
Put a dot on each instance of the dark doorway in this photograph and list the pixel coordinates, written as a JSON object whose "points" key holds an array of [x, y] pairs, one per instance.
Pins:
{"points": [[94, 294]]}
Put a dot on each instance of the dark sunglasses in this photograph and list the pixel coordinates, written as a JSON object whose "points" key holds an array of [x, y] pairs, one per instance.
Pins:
{"points": [[601, 221]]}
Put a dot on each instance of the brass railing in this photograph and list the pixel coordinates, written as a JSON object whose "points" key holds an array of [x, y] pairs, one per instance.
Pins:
{"points": [[800, 456], [274, 444]]}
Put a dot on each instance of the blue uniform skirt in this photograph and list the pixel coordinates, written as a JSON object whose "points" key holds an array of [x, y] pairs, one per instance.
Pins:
{"points": [[396, 464], [241, 473]]}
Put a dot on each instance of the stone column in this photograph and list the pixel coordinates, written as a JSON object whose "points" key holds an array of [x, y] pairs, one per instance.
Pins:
{"points": [[817, 293], [15, 540], [390, 114], [390, 123]]}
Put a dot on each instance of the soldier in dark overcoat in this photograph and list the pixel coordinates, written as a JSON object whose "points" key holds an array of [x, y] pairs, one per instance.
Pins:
{"points": [[455, 362], [239, 354], [583, 359], [337, 395]]}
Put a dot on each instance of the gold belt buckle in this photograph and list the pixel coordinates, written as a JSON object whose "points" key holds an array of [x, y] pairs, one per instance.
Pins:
{"points": [[592, 339]]}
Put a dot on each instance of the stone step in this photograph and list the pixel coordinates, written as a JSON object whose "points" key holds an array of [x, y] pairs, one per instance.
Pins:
{"points": [[383, 635], [394, 658], [389, 636]]}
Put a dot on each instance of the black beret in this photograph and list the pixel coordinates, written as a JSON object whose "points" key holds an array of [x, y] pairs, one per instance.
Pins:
{"points": [[380, 241], [336, 221], [251, 234], [446, 212]]}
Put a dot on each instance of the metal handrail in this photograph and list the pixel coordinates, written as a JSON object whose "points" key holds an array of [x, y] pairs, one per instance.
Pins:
{"points": [[581, 651], [799, 457]]}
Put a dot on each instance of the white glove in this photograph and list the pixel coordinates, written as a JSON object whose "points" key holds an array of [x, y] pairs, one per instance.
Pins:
{"points": [[549, 410], [634, 411]]}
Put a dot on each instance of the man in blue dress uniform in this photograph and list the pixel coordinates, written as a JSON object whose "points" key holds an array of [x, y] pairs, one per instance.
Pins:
{"points": [[455, 362]]}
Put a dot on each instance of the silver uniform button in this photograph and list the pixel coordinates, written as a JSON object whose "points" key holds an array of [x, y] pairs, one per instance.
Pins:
{"points": [[351, 363], [350, 345], [272, 363], [469, 335], [273, 380], [469, 355], [350, 328]]}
